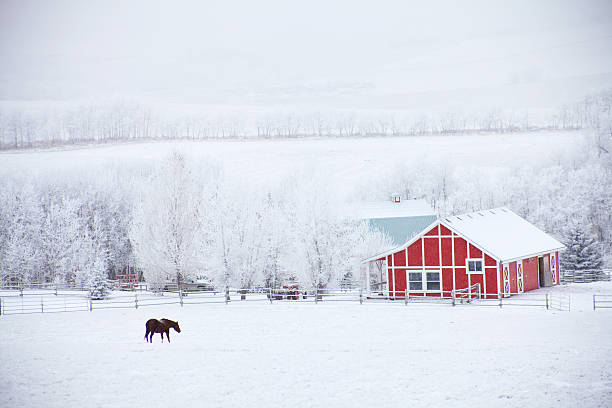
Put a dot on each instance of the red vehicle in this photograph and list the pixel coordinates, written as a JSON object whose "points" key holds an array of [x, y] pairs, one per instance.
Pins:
{"points": [[290, 292]]}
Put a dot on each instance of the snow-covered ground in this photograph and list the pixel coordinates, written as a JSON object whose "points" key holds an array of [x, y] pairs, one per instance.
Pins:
{"points": [[254, 354], [345, 160]]}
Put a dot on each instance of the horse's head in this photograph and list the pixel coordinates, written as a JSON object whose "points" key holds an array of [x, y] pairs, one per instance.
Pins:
{"points": [[176, 327]]}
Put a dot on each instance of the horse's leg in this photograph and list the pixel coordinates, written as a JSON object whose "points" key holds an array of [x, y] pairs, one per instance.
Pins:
{"points": [[162, 336], [168, 335]]}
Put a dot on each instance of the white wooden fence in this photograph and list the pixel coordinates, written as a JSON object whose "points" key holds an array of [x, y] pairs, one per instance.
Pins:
{"points": [[584, 276], [56, 301], [602, 301]]}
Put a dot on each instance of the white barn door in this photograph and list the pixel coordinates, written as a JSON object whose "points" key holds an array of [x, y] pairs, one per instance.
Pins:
{"points": [[553, 268], [506, 279], [519, 277]]}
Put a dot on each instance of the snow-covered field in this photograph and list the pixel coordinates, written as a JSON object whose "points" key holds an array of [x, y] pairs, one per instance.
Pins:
{"points": [[342, 160], [254, 354]]}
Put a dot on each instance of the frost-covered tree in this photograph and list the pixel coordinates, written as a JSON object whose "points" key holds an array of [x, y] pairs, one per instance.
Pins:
{"points": [[20, 219], [582, 253], [274, 229], [59, 240], [166, 223], [240, 241], [323, 242], [249, 253], [97, 282]]}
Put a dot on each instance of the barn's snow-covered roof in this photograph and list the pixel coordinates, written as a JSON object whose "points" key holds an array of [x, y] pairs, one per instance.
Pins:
{"points": [[399, 221], [502, 234]]}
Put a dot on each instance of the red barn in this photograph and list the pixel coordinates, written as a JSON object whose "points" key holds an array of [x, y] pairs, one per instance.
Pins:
{"points": [[492, 252]]}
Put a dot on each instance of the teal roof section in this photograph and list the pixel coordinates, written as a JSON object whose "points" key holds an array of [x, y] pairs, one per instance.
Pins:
{"points": [[401, 229]]}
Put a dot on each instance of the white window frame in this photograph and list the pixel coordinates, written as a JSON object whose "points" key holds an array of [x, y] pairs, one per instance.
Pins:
{"points": [[424, 281], [467, 266]]}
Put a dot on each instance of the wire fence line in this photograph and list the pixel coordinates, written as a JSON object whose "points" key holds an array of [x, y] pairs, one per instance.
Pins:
{"points": [[54, 301]]}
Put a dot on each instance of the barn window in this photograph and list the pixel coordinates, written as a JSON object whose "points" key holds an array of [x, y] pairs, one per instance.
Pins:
{"points": [[415, 280], [474, 265], [424, 281], [433, 280]]}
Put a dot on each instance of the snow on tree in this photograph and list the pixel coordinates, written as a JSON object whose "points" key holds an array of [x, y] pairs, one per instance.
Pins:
{"points": [[97, 283], [105, 218], [166, 222], [92, 256], [20, 219], [323, 242], [582, 253], [273, 232], [240, 241], [249, 252], [58, 239]]}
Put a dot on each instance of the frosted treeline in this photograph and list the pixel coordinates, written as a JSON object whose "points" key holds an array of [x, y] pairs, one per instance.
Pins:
{"points": [[31, 126], [187, 219], [177, 220]]}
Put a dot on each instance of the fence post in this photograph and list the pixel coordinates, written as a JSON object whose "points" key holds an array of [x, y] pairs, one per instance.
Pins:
{"points": [[42, 309], [453, 297], [135, 300], [270, 295], [593, 301], [546, 300], [361, 296], [316, 295], [55, 290], [90, 304], [1, 304], [227, 295], [406, 297], [500, 300], [181, 296]]}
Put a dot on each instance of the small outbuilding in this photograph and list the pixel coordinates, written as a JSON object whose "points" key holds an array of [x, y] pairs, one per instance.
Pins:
{"points": [[492, 253]]}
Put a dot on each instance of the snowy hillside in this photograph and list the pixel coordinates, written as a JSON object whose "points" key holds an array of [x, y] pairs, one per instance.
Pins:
{"points": [[345, 160]]}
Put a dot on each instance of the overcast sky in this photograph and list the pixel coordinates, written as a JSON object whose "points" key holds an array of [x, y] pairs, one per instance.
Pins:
{"points": [[373, 54]]}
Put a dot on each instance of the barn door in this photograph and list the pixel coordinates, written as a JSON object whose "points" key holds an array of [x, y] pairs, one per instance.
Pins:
{"points": [[506, 278], [519, 277], [553, 268], [544, 271]]}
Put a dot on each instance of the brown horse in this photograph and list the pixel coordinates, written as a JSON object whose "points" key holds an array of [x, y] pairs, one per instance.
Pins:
{"points": [[160, 326]]}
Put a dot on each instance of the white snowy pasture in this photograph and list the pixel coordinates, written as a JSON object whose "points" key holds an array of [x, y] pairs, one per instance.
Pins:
{"points": [[344, 160], [255, 354]]}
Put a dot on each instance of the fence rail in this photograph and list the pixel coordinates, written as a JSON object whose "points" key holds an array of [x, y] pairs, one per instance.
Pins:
{"points": [[467, 294], [602, 302], [585, 276], [54, 301]]}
